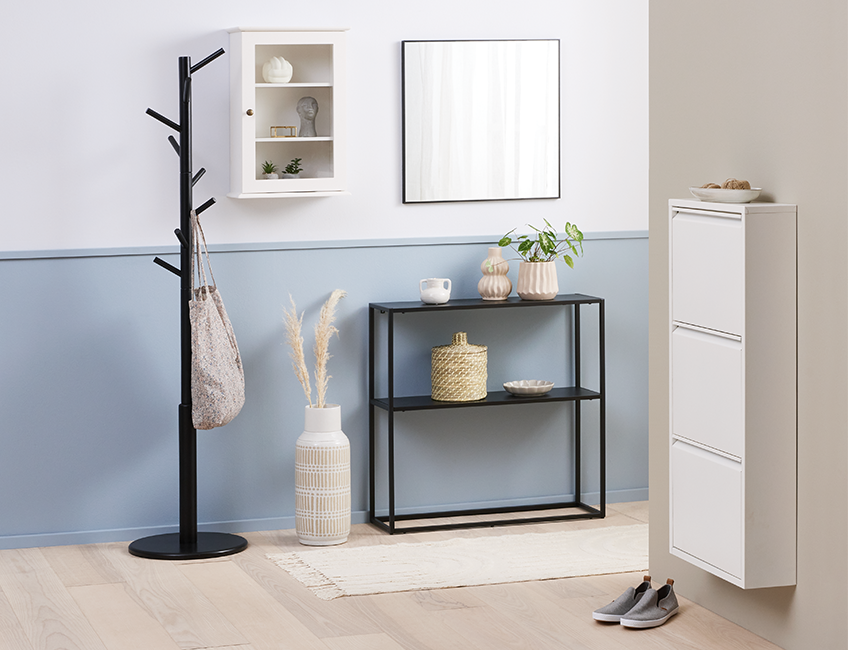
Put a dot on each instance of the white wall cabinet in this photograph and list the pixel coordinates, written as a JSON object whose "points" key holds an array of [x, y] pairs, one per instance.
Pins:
{"points": [[733, 389], [259, 110]]}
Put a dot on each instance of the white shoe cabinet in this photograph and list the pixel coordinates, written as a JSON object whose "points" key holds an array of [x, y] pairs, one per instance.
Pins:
{"points": [[262, 114], [733, 389]]}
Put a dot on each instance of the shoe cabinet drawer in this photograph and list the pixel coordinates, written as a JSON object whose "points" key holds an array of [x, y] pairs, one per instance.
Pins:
{"points": [[707, 394], [706, 507], [707, 271]]}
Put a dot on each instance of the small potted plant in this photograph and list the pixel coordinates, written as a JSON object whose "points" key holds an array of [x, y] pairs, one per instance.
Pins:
{"points": [[537, 279], [269, 170], [293, 168]]}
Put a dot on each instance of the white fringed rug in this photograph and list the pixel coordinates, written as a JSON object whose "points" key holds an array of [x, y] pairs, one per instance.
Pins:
{"points": [[464, 562]]}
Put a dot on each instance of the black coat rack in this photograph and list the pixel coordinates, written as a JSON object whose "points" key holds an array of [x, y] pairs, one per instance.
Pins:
{"points": [[188, 544]]}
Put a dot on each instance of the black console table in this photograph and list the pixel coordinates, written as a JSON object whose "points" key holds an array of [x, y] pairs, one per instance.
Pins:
{"points": [[393, 404]]}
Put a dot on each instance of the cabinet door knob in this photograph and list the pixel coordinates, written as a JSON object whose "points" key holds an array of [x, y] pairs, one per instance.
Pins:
{"points": [[250, 111]]}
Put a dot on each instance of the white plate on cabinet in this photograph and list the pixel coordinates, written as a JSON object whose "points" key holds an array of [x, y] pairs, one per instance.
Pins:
{"points": [[725, 196], [528, 387]]}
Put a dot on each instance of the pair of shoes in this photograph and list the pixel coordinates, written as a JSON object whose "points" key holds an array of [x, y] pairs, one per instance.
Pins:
{"points": [[648, 607], [613, 612]]}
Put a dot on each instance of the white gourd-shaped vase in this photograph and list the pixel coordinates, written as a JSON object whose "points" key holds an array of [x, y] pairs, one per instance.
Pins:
{"points": [[322, 479], [494, 285], [537, 280]]}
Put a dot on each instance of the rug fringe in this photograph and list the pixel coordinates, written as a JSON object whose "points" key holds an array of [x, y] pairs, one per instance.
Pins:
{"points": [[317, 582]]}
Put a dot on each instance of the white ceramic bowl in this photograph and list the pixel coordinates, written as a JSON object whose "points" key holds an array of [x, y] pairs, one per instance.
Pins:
{"points": [[725, 196], [528, 387]]}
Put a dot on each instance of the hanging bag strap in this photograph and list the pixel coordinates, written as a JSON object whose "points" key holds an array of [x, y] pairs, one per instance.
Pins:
{"points": [[199, 252]]}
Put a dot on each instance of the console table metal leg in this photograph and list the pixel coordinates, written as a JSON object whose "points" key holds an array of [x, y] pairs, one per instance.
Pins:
{"points": [[372, 456], [578, 422], [391, 416], [603, 406]]}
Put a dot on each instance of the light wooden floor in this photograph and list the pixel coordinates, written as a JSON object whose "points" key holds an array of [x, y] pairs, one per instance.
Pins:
{"points": [[97, 597]]}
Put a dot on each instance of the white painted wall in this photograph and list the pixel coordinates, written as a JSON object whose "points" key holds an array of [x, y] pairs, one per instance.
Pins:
{"points": [[84, 167]]}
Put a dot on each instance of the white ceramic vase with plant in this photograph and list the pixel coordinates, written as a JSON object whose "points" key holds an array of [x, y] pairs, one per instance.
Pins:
{"points": [[269, 170], [537, 276], [293, 169], [322, 456]]}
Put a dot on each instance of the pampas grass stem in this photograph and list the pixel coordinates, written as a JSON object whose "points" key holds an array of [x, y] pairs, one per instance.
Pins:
{"points": [[295, 340], [324, 330]]}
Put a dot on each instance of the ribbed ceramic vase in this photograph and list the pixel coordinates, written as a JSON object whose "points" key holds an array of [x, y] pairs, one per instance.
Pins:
{"points": [[322, 479], [494, 285], [537, 280]]}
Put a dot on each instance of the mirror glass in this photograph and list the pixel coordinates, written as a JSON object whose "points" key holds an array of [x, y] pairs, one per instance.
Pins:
{"points": [[480, 120]]}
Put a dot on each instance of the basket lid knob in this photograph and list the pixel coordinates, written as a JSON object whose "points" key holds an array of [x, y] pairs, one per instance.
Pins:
{"points": [[460, 338]]}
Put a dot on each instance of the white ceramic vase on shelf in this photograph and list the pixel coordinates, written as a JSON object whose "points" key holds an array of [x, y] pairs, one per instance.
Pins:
{"points": [[322, 479], [494, 285], [537, 280]]}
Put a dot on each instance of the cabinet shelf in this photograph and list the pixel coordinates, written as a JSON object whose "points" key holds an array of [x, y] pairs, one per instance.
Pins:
{"points": [[320, 138], [392, 405], [494, 398], [305, 84]]}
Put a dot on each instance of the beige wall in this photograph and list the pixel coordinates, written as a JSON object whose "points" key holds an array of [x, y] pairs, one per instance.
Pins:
{"points": [[757, 90]]}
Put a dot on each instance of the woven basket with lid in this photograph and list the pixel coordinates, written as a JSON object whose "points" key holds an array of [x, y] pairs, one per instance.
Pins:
{"points": [[458, 371]]}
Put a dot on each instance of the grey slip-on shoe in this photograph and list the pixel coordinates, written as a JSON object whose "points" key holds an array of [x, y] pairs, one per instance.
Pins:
{"points": [[613, 612], [653, 609]]}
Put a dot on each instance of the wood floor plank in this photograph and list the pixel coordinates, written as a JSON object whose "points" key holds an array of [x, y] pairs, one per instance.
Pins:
{"points": [[530, 607], [363, 642], [12, 635], [49, 616], [490, 628], [264, 622], [323, 618], [162, 589], [410, 625], [81, 565], [119, 620]]}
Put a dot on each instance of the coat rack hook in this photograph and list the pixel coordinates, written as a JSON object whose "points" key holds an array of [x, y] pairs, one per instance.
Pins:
{"points": [[208, 59], [174, 144], [208, 204], [163, 119], [187, 90], [197, 176], [181, 237], [173, 269]]}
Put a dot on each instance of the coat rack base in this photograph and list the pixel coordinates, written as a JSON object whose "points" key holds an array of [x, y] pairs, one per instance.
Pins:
{"points": [[169, 547]]}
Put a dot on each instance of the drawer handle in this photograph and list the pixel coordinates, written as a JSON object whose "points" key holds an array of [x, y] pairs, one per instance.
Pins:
{"points": [[707, 330], [707, 213]]}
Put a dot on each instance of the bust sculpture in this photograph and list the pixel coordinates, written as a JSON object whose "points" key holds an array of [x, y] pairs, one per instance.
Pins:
{"points": [[307, 108]]}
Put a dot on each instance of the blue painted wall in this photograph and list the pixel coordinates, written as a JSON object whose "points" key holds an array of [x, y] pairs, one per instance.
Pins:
{"points": [[90, 386]]}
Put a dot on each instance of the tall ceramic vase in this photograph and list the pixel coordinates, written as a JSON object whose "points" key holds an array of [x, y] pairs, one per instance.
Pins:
{"points": [[537, 280], [322, 479], [494, 285]]}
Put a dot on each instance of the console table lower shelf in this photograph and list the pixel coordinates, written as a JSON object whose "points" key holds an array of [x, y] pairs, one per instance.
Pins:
{"points": [[577, 508]]}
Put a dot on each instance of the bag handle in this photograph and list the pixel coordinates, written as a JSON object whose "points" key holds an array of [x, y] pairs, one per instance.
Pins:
{"points": [[198, 254]]}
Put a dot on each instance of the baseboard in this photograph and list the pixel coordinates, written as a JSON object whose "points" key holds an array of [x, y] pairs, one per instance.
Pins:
{"points": [[279, 523]]}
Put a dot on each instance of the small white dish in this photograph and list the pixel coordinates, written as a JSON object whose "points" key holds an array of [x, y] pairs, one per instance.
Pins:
{"points": [[725, 196], [528, 387]]}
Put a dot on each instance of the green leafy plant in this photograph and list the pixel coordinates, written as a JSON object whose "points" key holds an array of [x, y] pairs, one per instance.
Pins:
{"points": [[546, 245], [268, 167], [293, 167]]}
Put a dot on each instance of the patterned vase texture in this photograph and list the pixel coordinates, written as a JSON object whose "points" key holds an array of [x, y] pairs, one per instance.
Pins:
{"points": [[494, 285], [322, 479], [537, 280]]}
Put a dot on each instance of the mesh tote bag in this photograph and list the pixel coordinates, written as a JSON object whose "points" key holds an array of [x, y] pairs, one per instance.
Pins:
{"points": [[217, 376]]}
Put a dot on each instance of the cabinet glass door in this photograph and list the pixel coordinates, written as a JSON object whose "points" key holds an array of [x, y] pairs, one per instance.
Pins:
{"points": [[294, 122]]}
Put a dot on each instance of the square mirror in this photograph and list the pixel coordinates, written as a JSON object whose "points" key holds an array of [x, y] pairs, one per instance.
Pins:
{"points": [[480, 120]]}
